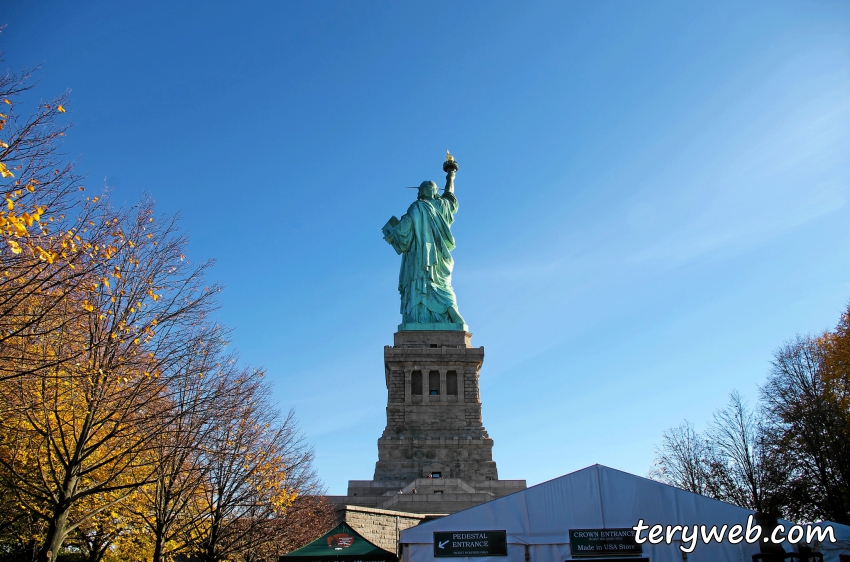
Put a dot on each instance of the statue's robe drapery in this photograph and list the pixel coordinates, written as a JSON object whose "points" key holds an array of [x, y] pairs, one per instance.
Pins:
{"points": [[425, 280]]}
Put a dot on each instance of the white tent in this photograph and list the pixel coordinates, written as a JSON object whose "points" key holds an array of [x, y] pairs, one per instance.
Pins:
{"points": [[538, 519], [841, 546]]}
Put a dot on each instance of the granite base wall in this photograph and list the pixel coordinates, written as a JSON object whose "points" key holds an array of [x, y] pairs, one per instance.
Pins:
{"points": [[381, 526]]}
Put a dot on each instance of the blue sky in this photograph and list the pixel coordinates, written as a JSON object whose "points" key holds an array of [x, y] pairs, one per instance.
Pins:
{"points": [[653, 196]]}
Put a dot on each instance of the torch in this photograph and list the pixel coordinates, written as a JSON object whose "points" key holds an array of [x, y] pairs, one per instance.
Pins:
{"points": [[450, 165]]}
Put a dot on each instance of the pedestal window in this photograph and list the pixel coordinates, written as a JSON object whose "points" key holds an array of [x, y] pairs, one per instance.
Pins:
{"points": [[451, 383], [434, 383]]}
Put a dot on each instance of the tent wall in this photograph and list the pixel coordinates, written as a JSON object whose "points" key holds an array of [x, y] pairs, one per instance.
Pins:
{"points": [[594, 497]]}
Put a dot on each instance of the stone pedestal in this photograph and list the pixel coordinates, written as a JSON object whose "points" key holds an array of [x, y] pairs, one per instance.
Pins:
{"points": [[434, 455], [436, 427]]}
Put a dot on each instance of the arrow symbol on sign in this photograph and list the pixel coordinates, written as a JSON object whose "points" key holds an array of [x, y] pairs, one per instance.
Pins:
{"points": [[442, 544]]}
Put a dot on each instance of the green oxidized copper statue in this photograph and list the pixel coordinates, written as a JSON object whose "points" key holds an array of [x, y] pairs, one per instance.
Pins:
{"points": [[425, 238]]}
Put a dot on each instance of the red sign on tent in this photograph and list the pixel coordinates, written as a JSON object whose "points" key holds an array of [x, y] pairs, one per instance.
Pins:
{"points": [[340, 541]]}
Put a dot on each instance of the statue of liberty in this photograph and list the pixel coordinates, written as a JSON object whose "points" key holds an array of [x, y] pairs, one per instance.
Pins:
{"points": [[425, 238]]}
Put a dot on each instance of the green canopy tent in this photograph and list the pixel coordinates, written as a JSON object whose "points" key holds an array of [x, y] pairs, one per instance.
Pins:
{"points": [[340, 543]]}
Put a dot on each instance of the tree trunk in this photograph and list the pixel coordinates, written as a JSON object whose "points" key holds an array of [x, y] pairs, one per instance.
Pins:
{"points": [[55, 534], [212, 542], [158, 541]]}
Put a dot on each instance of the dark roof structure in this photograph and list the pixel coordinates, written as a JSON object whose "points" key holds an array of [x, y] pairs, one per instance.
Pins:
{"points": [[341, 543]]}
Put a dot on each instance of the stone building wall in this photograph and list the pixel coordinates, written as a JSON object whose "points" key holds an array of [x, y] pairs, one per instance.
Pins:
{"points": [[380, 526]]}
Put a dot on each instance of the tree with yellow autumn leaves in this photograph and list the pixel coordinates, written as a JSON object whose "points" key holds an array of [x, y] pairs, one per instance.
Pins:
{"points": [[122, 420], [44, 253]]}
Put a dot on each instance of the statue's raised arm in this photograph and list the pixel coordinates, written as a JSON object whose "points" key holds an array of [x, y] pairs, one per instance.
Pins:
{"points": [[423, 235]]}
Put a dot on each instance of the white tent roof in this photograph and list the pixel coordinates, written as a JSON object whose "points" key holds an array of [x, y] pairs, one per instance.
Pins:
{"points": [[595, 497]]}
